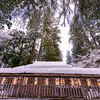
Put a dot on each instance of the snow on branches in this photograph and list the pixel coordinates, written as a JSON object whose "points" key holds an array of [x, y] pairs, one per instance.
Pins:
{"points": [[90, 60]]}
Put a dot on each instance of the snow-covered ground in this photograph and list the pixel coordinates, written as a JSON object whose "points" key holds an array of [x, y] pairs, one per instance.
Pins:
{"points": [[50, 67]]}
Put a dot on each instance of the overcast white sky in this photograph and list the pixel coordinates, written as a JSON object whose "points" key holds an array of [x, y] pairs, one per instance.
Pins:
{"points": [[64, 46]]}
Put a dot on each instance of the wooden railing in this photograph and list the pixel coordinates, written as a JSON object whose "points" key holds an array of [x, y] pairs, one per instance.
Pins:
{"points": [[49, 86]]}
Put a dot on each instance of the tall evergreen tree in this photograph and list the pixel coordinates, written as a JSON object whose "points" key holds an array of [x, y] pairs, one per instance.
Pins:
{"points": [[50, 46], [78, 39], [49, 30], [16, 49], [83, 36], [34, 32]]}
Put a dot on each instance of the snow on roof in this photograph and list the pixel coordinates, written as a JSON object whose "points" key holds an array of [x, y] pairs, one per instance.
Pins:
{"points": [[44, 64], [50, 67]]}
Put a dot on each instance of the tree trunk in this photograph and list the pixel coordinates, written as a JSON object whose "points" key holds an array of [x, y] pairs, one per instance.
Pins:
{"points": [[93, 39], [38, 58], [40, 50], [33, 49], [33, 46]]}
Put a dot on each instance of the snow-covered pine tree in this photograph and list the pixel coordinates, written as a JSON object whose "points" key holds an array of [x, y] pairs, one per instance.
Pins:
{"points": [[84, 36], [49, 47], [90, 60], [34, 32], [78, 38], [16, 49]]}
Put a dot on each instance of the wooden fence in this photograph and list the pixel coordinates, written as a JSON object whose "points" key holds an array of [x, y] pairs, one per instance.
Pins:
{"points": [[49, 86]]}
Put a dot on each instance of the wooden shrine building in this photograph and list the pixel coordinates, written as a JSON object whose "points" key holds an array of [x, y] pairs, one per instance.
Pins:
{"points": [[54, 80]]}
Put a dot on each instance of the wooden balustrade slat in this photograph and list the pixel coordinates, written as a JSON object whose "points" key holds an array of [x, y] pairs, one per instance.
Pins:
{"points": [[57, 86]]}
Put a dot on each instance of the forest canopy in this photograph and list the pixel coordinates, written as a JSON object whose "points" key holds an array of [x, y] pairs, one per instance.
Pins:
{"points": [[84, 26]]}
